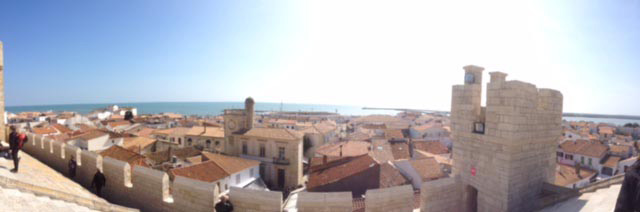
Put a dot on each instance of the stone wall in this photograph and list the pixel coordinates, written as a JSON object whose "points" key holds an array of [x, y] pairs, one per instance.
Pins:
{"points": [[151, 190], [398, 198], [325, 202], [254, 201], [521, 128], [441, 195]]}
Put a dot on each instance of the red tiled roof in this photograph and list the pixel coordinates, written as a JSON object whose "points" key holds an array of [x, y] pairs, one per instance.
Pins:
{"points": [[400, 150], [230, 164], [335, 173], [207, 171], [427, 168], [566, 175], [582, 147], [43, 130], [349, 148], [122, 154], [61, 128], [390, 176], [431, 147]]}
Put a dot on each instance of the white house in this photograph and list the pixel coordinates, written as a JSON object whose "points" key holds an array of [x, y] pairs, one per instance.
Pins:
{"points": [[224, 171], [587, 153], [93, 140]]}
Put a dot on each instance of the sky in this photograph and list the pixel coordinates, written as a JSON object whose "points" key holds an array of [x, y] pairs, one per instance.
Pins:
{"points": [[403, 54]]}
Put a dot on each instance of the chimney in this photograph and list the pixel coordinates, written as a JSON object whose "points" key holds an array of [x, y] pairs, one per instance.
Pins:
{"points": [[324, 159], [340, 150]]}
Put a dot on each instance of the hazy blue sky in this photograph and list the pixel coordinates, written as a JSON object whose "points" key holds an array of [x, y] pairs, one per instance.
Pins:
{"points": [[369, 53]]}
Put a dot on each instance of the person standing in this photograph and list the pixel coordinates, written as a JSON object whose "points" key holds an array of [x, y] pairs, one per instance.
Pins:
{"points": [[224, 205], [72, 167], [629, 196], [16, 140], [99, 181]]}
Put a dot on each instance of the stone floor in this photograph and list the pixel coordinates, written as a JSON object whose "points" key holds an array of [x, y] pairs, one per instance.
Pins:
{"points": [[16, 200], [36, 173], [602, 200]]}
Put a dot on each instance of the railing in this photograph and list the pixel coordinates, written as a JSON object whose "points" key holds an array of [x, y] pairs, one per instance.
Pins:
{"points": [[258, 158], [280, 161]]}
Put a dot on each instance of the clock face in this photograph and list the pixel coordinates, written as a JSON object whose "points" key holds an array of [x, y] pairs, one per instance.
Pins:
{"points": [[232, 124], [469, 78]]}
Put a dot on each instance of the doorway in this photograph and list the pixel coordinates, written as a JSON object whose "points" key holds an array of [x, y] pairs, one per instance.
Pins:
{"points": [[281, 177], [471, 198]]}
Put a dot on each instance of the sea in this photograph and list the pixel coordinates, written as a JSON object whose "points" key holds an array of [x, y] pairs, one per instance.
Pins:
{"points": [[217, 108]]}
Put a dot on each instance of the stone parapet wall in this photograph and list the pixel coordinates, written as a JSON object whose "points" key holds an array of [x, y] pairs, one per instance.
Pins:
{"points": [[254, 201], [441, 195], [399, 198], [325, 202]]}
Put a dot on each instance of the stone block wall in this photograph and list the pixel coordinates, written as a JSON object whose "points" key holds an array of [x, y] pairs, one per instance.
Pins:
{"points": [[118, 175], [325, 202], [150, 189], [508, 163], [254, 201], [192, 195], [441, 195], [394, 199]]}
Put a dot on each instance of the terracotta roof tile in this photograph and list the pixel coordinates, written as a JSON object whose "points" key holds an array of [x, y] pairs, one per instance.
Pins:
{"points": [[335, 173], [122, 154], [582, 147], [566, 175], [400, 150], [349, 148], [61, 128], [207, 171], [427, 168], [230, 164], [431, 147], [44, 130]]}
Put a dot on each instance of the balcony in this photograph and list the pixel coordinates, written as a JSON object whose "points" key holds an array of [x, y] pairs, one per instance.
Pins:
{"points": [[280, 161], [258, 158]]}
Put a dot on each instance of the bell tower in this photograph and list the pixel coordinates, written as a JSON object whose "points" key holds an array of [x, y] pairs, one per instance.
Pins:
{"points": [[237, 121], [504, 152]]}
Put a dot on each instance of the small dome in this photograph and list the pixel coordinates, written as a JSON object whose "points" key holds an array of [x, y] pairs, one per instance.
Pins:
{"points": [[249, 100]]}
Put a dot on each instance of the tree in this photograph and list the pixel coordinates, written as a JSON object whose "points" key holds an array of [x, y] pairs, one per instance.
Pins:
{"points": [[632, 125], [307, 144], [128, 116]]}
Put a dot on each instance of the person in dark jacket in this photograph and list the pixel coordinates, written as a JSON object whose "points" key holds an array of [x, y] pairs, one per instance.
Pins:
{"points": [[72, 167], [14, 145], [629, 196], [99, 181], [224, 205]]}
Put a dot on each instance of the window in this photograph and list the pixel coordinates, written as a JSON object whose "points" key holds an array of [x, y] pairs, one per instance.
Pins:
{"points": [[478, 127], [208, 143], [189, 142], [217, 143], [251, 172], [244, 148], [218, 185], [172, 139], [568, 156], [238, 179], [582, 159], [281, 152], [589, 161], [226, 187], [560, 154], [262, 150]]}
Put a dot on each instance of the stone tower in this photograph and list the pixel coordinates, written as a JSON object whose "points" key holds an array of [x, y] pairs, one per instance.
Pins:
{"points": [[504, 152], [2, 122], [237, 121]]}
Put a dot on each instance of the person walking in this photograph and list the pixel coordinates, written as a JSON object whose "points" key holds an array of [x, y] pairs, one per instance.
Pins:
{"points": [[224, 205], [629, 196], [99, 181], [72, 167], [16, 140]]}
